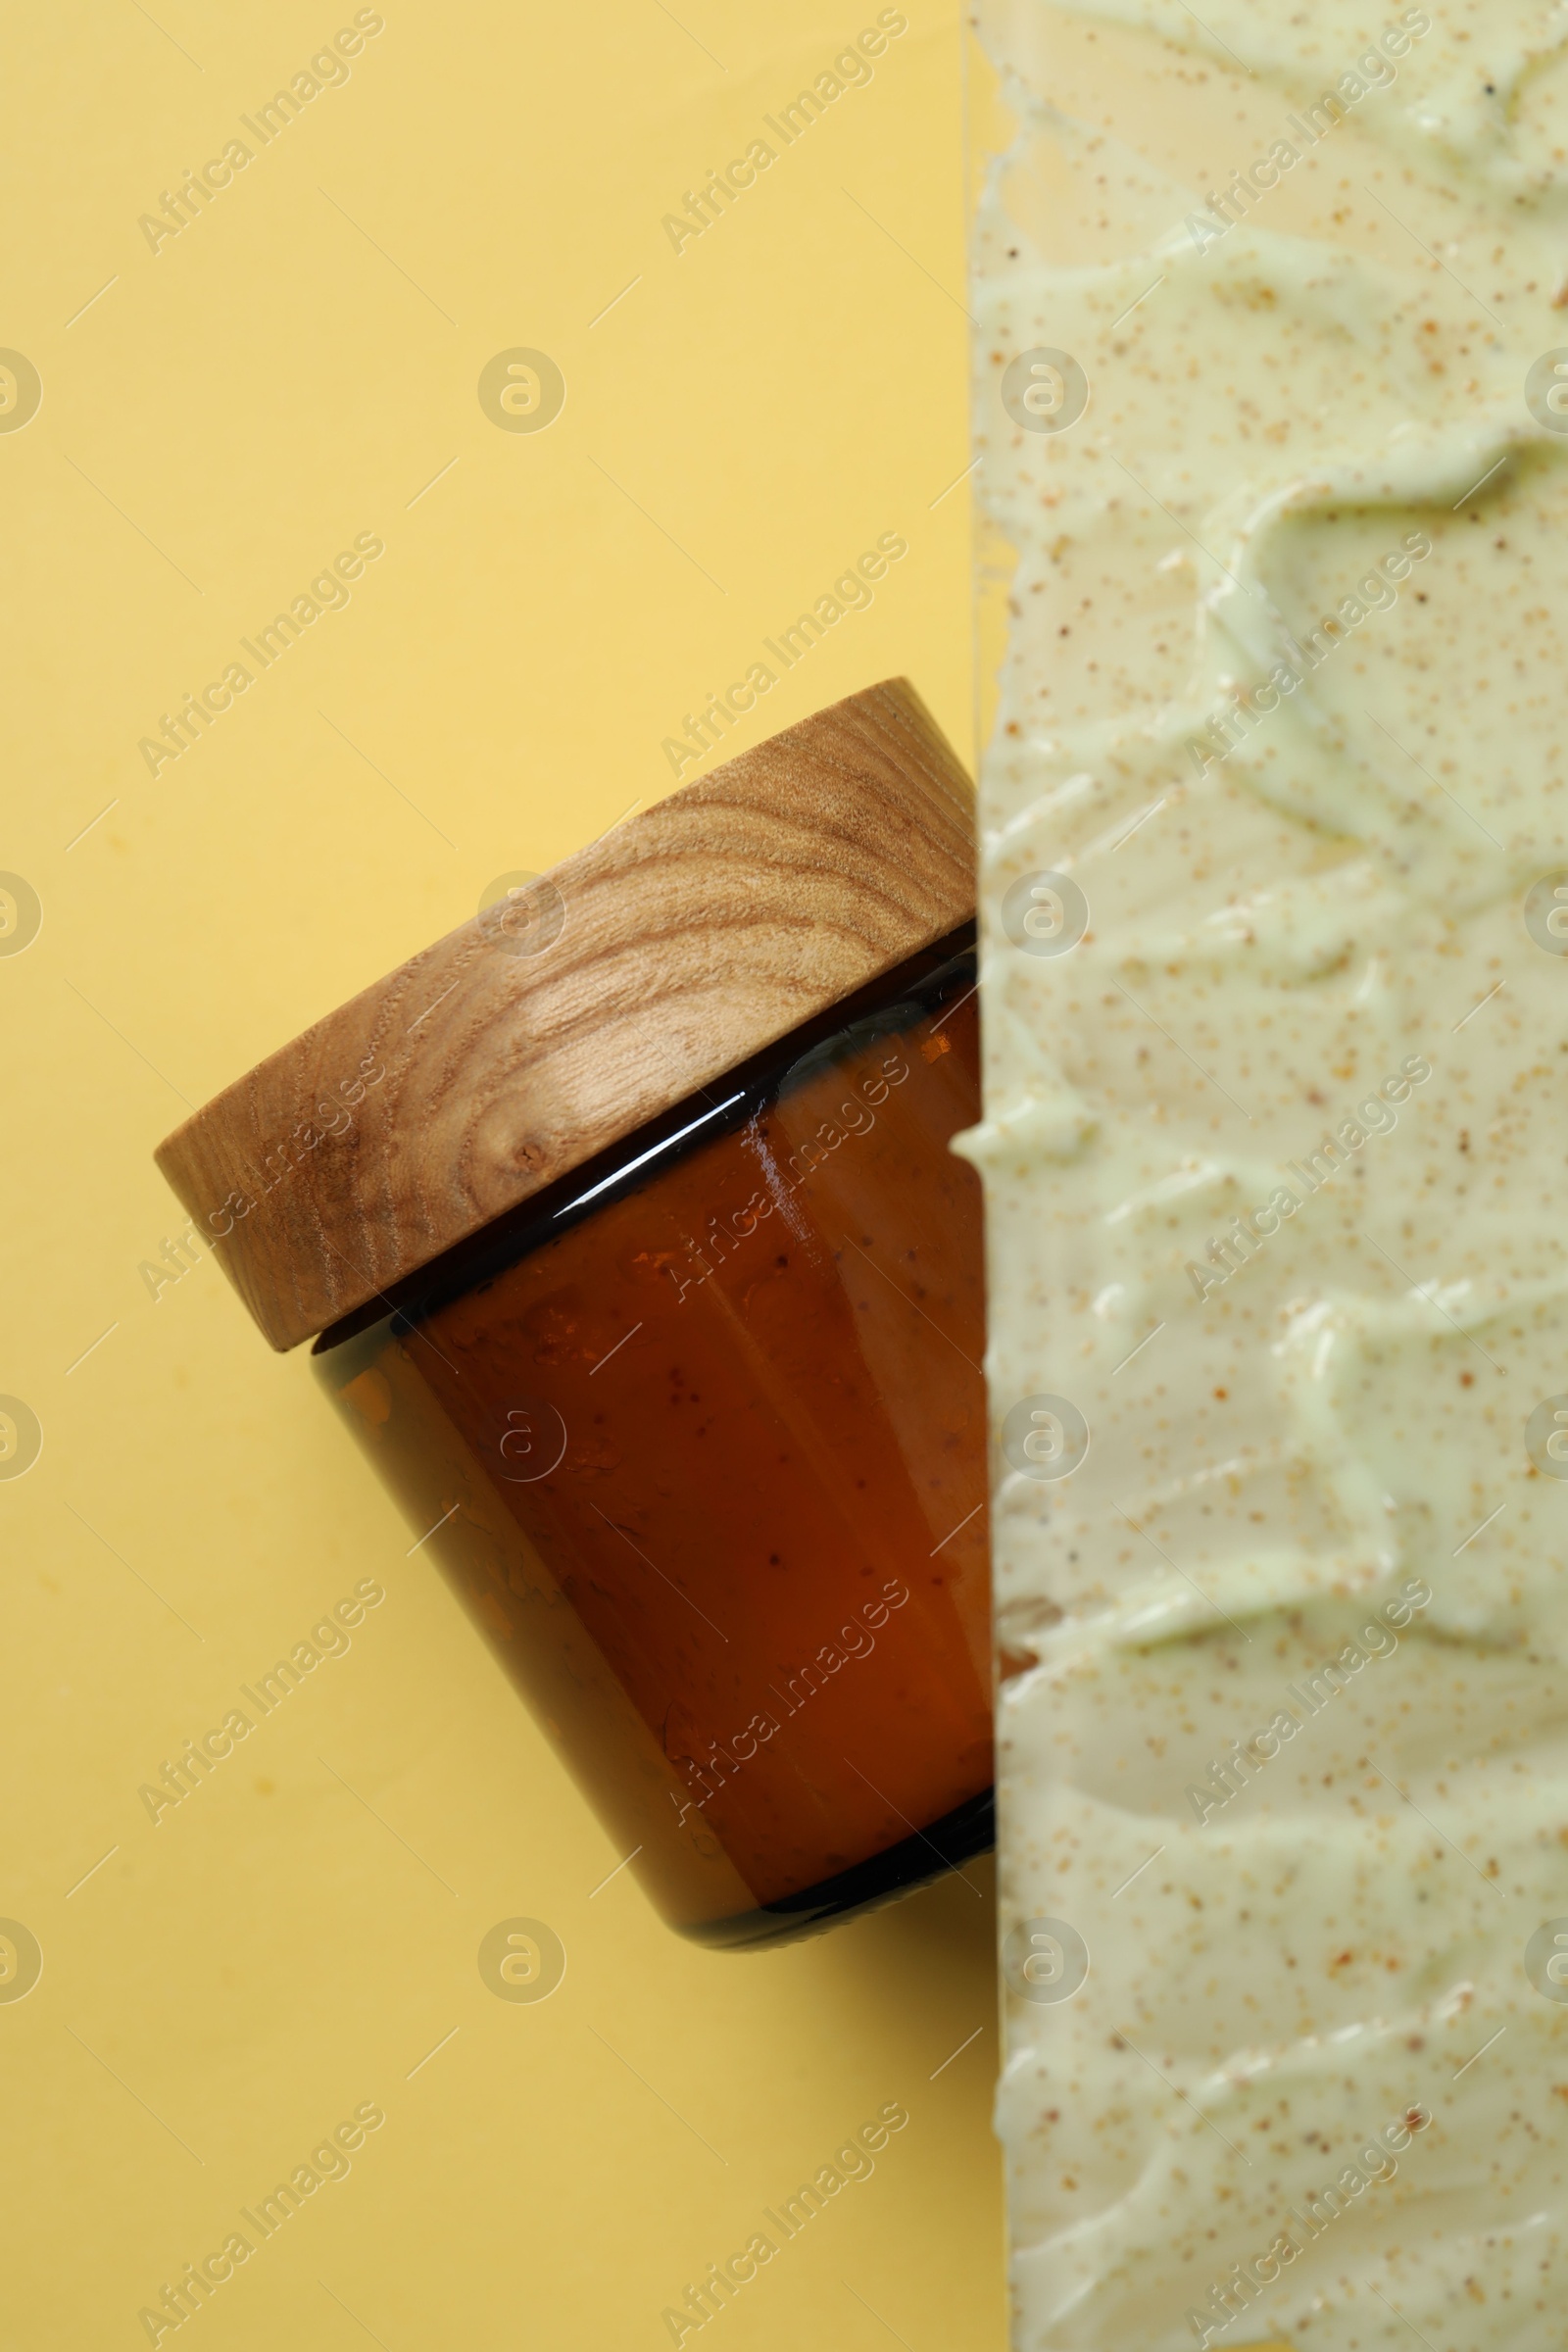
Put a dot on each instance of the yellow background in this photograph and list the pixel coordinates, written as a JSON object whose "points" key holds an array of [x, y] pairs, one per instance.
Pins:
{"points": [[219, 419]]}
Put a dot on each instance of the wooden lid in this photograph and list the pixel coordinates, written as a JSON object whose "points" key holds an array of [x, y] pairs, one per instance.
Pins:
{"points": [[552, 1024]]}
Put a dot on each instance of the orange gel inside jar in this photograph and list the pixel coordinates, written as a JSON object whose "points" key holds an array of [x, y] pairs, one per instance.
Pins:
{"points": [[704, 1431]]}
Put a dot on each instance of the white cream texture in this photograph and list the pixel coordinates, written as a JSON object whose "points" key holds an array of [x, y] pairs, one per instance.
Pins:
{"points": [[1277, 1977]]}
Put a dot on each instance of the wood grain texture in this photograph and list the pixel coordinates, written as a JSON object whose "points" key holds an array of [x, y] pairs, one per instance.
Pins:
{"points": [[689, 938]]}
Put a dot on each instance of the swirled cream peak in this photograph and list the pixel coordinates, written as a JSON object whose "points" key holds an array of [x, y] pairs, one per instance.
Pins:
{"points": [[1272, 393]]}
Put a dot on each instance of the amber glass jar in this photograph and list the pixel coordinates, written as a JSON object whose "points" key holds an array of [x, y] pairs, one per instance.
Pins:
{"points": [[697, 1426]]}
